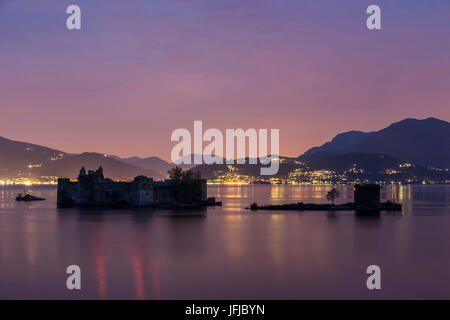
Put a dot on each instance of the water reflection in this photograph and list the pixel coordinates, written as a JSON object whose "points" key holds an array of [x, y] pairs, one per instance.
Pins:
{"points": [[233, 237], [227, 252], [98, 252]]}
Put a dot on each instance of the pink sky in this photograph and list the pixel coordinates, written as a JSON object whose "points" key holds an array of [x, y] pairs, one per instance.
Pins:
{"points": [[133, 74]]}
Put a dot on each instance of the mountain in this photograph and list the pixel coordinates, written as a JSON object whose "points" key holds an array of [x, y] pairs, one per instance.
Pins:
{"points": [[21, 159], [212, 171], [17, 157], [372, 162], [340, 142], [150, 163], [423, 142], [115, 169], [158, 164], [408, 147], [182, 162]]}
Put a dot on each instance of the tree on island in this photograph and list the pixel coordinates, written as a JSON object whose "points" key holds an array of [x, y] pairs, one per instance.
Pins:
{"points": [[175, 174], [187, 185], [332, 195]]}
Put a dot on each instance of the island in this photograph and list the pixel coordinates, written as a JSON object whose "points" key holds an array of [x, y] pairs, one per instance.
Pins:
{"points": [[183, 190], [366, 200]]}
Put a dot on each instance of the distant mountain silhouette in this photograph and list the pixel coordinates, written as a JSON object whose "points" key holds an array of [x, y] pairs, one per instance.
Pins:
{"points": [[340, 142], [340, 162], [182, 162], [212, 171], [318, 161], [16, 157], [351, 166], [115, 169], [21, 159], [158, 164], [420, 142], [424, 142], [150, 163]]}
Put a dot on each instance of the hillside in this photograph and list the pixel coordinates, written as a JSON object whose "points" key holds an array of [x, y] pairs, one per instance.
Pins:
{"points": [[423, 142], [21, 159]]}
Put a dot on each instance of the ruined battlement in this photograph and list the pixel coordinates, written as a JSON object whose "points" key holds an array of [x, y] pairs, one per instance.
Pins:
{"points": [[93, 189]]}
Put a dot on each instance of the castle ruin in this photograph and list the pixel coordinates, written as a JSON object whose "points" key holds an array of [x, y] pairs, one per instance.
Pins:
{"points": [[93, 189]]}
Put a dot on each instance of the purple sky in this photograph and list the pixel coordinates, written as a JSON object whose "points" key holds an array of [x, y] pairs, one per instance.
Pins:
{"points": [[139, 69]]}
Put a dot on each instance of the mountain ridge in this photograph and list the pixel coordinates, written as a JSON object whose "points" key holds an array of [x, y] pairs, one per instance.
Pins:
{"points": [[26, 160], [425, 142]]}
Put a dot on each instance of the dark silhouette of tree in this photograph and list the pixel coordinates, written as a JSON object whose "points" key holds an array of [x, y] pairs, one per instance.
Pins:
{"points": [[175, 173], [332, 195], [187, 185]]}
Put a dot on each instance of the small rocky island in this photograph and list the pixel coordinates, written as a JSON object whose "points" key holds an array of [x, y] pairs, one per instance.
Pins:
{"points": [[183, 190], [366, 200], [28, 197]]}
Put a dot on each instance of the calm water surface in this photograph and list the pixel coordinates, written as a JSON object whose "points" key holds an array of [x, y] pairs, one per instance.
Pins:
{"points": [[228, 252]]}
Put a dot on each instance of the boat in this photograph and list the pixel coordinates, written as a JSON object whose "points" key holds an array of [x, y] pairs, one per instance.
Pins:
{"points": [[28, 197], [211, 202]]}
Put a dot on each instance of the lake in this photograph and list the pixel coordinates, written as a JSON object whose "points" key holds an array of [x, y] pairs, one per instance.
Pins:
{"points": [[228, 252]]}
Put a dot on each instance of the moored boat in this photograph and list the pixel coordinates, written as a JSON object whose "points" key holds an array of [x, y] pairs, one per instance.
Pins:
{"points": [[28, 197]]}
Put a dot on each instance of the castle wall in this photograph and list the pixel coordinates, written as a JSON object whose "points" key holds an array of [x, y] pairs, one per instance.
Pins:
{"points": [[66, 192], [367, 196], [94, 189]]}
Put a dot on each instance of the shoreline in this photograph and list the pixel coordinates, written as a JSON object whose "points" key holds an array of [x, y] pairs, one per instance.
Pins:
{"points": [[349, 206], [255, 184]]}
